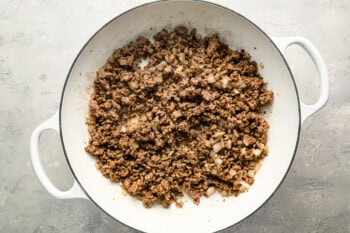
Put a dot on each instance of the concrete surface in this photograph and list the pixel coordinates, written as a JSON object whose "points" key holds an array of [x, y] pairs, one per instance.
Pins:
{"points": [[39, 39]]}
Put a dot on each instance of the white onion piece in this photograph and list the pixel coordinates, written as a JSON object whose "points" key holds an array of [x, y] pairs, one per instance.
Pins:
{"points": [[217, 147], [245, 184], [183, 93], [211, 78], [177, 113], [182, 57], [123, 129], [210, 191], [218, 161], [229, 144], [133, 85], [219, 134], [224, 81], [232, 172], [235, 91], [256, 152], [251, 173]]}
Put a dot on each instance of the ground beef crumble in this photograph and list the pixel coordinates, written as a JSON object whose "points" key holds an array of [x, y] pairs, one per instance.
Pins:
{"points": [[187, 122]]}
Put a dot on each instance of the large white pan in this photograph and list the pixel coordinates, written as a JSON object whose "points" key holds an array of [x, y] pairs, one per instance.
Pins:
{"points": [[285, 116]]}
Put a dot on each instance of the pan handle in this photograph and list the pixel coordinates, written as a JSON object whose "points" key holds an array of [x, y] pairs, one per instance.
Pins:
{"points": [[283, 43], [75, 191]]}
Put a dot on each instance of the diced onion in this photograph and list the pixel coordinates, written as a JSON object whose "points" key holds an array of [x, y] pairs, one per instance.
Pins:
{"points": [[266, 149], [213, 155], [218, 161], [210, 191], [219, 134], [178, 69], [167, 58], [257, 152], [224, 81], [183, 93], [235, 91], [182, 57], [237, 84], [232, 172], [234, 138], [133, 85], [162, 64], [207, 143], [245, 184], [229, 144], [235, 133], [144, 63], [177, 113], [211, 78], [171, 153], [257, 167], [246, 141], [217, 147], [261, 146], [251, 173]]}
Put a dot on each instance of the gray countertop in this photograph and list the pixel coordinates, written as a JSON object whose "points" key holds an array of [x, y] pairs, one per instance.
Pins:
{"points": [[39, 40]]}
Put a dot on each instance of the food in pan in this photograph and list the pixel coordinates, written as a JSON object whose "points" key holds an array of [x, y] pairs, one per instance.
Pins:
{"points": [[179, 114]]}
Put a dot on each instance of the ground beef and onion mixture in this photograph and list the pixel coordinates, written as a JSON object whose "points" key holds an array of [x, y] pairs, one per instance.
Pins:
{"points": [[181, 114]]}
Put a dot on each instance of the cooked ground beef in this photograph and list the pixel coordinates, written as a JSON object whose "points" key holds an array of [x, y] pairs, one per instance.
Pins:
{"points": [[187, 122]]}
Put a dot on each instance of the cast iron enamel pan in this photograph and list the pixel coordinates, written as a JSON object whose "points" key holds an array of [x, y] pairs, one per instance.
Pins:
{"points": [[285, 116]]}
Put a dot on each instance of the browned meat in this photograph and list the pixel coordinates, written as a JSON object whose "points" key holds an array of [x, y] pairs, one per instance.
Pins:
{"points": [[188, 122]]}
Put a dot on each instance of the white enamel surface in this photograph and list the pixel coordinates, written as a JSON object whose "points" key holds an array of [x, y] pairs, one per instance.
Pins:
{"points": [[75, 191], [214, 213], [307, 110]]}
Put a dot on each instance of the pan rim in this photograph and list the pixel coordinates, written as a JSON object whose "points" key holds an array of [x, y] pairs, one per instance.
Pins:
{"points": [[156, 2]]}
